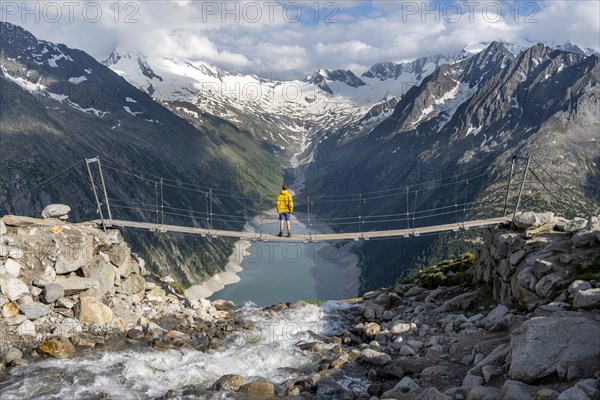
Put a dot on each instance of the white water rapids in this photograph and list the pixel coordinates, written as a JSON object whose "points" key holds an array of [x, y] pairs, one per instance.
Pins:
{"points": [[267, 350]]}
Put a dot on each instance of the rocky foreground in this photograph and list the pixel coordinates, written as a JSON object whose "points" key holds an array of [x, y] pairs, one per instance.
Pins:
{"points": [[520, 321]]}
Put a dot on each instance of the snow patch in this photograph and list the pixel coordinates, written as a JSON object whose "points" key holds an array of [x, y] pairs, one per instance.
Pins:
{"points": [[77, 80]]}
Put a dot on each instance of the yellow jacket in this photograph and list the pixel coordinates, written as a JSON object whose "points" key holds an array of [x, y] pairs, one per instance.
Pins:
{"points": [[285, 203]]}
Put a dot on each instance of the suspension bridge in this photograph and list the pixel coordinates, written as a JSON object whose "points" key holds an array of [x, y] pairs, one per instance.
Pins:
{"points": [[452, 212]]}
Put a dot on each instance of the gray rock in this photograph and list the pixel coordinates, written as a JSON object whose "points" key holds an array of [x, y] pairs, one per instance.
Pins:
{"points": [[68, 327], [27, 328], [407, 351], [2, 228], [15, 253], [403, 327], [12, 287], [55, 211], [414, 291], [432, 372], [591, 387], [541, 345], [530, 219], [370, 356], [406, 385], [461, 302], [35, 310], [10, 354], [433, 394], [490, 372], [546, 394], [483, 393], [133, 285], [589, 298], [103, 272], [496, 315], [547, 284], [52, 292], [13, 267], [578, 286], [130, 318], [515, 390], [588, 235], [470, 381], [75, 284], [573, 393], [65, 302]]}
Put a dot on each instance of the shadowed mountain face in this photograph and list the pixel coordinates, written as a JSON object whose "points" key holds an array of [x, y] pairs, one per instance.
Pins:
{"points": [[60, 106], [475, 112]]}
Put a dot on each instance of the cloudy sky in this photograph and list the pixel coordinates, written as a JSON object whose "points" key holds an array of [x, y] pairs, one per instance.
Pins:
{"points": [[292, 39]]}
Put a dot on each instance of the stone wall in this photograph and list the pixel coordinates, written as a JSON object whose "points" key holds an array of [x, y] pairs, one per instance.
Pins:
{"points": [[537, 261]]}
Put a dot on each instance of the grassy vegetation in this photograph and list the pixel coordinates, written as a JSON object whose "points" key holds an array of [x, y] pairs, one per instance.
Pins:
{"points": [[178, 287], [447, 273]]}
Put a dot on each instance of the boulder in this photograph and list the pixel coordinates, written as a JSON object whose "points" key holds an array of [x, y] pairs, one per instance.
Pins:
{"points": [[35, 310], [589, 298], [258, 388], [573, 393], [61, 348], [403, 327], [91, 310], [370, 356], [11, 354], [26, 328], [2, 228], [371, 329], [543, 345], [530, 219], [546, 394], [55, 211], [433, 394], [545, 285], [588, 235], [103, 272], [461, 302], [229, 382], [10, 310], [578, 286], [129, 317], [74, 256], [591, 387], [406, 384], [483, 393], [75, 284], [496, 315], [515, 390], [12, 287], [13, 267], [52, 292], [118, 253], [134, 284], [490, 372]]}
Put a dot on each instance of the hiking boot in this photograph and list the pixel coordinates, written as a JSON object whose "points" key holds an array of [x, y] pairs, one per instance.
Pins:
{"points": [[289, 234], [280, 234]]}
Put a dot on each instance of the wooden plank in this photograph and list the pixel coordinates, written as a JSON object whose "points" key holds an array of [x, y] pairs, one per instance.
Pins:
{"points": [[309, 238]]}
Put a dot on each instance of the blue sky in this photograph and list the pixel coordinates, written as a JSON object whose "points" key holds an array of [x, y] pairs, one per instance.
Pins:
{"points": [[292, 39]]}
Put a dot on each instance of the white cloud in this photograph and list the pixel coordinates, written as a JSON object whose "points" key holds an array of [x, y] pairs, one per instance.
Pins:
{"points": [[264, 37]]}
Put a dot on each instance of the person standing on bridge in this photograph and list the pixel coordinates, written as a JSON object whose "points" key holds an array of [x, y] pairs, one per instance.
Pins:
{"points": [[285, 206]]}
